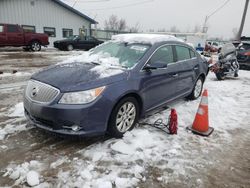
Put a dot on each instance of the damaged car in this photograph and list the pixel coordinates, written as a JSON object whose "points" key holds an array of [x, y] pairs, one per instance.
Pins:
{"points": [[108, 89]]}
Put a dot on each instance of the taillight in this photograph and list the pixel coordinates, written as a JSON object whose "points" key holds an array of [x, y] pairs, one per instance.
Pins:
{"points": [[247, 53]]}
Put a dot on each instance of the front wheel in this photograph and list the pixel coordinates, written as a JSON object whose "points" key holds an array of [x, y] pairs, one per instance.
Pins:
{"points": [[70, 47], [35, 46], [197, 89], [220, 75], [123, 117]]}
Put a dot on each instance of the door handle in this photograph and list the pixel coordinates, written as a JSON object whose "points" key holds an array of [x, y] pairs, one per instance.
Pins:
{"points": [[175, 75], [196, 68]]}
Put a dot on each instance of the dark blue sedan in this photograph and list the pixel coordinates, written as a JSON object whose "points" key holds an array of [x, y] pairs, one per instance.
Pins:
{"points": [[108, 89]]}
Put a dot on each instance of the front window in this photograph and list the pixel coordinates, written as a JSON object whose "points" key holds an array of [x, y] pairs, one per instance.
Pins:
{"points": [[182, 53], [12, 29], [164, 55], [127, 54]]}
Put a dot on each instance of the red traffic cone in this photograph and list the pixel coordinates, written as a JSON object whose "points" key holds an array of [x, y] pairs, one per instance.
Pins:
{"points": [[201, 122]]}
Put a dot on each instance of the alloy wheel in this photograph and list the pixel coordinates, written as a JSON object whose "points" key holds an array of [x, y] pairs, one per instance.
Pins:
{"points": [[125, 117]]}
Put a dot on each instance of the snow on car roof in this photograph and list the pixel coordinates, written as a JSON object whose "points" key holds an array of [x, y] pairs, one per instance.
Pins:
{"points": [[144, 38]]}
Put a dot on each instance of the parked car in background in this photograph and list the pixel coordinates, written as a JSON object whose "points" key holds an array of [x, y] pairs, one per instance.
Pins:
{"points": [[14, 35], [107, 89], [77, 42], [243, 55]]}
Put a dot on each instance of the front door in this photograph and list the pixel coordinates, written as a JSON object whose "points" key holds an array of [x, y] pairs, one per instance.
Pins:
{"points": [[15, 36], [159, 85]]}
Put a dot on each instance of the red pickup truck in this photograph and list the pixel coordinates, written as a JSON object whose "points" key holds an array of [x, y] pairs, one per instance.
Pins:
{"points": [[14, 35]]}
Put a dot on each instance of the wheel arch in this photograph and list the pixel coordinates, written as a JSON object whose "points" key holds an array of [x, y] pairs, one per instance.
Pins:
{"points": [[35, 40], [134, 95]]}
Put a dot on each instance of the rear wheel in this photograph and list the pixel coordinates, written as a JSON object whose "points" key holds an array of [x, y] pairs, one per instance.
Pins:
{"points": [[35, 46], [197, 89], [123, 117]]}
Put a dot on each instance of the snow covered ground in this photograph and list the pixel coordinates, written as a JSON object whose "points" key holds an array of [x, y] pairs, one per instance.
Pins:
{"points": [[144, 157]]}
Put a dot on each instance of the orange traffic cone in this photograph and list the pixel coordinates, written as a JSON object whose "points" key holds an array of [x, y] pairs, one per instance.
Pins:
{"points": [[201, 124]]}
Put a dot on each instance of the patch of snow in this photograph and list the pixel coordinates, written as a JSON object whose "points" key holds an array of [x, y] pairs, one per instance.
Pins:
{"points": [[32, 178], [58, 162], [17, 110], [10, 129], [15, 74], [108, 66], [25, 172], [144, 38]]}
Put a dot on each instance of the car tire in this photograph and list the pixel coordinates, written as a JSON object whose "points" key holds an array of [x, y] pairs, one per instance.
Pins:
{"points": [[35, 46], [70, 47], [26, 49], [198, 87], [124, 116]]}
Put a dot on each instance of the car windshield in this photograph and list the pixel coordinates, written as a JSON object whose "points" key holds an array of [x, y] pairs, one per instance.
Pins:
{"points": [[127, 54], [74, 37]]}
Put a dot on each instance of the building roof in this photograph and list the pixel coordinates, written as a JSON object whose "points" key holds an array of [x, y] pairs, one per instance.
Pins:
{"points": [[75, 11]]}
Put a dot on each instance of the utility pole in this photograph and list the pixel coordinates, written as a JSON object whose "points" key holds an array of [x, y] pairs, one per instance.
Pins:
{"points": [[242, 20]]}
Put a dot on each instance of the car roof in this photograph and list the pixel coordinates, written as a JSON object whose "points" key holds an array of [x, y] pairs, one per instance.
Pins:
{"points": [[145, 38]]}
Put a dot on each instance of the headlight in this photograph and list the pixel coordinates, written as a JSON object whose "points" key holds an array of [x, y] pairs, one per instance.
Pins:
{"points": [[81, 97]]}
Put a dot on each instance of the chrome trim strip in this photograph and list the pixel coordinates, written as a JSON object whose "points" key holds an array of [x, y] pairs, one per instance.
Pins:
{"points": [[47, 85], [169, 63]]}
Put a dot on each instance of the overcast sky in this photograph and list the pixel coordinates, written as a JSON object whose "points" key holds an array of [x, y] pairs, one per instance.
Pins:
{"points": [[159, 14]]}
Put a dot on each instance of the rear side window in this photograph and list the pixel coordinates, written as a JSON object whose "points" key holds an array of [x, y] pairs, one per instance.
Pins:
{"points": [[163, 54], [12, 29], [1, 28], [182, 53]]}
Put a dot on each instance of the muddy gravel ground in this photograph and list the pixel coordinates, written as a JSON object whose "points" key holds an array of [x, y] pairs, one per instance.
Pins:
{"points": [[231, 161]]}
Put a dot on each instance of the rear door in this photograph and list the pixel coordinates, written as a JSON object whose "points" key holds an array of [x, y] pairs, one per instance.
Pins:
{"points": [[159, 86], [14, 35], [188, 61], [3, 37]]}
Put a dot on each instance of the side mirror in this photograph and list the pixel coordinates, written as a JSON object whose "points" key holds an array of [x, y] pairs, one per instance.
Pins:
{"points": [[155, 65]]}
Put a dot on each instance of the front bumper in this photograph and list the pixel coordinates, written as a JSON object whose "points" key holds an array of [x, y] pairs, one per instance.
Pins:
{"points": [[91, 118]]}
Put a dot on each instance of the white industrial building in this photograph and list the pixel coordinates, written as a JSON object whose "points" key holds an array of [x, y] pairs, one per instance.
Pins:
{"points": [[53, 17]]}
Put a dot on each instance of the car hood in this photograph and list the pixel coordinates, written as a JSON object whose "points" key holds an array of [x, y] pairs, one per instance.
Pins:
{"points": [[79, 76]]}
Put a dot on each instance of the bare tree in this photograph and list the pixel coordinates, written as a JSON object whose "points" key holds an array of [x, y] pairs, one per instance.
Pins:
{"points": [[235, 31], [121, 25], [135, 28], [174, 29], [111, 23]]}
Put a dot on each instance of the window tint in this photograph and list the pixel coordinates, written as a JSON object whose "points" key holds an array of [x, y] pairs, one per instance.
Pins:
{"points": [[12, 29], [51, 31], [29, 28], [67, 33], [192, 53], [1, 28], [164, 54], [182, 53]]}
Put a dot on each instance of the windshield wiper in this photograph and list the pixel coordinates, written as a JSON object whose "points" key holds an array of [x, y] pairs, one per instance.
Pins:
{"points": [[121, 66], [95, 63]]}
